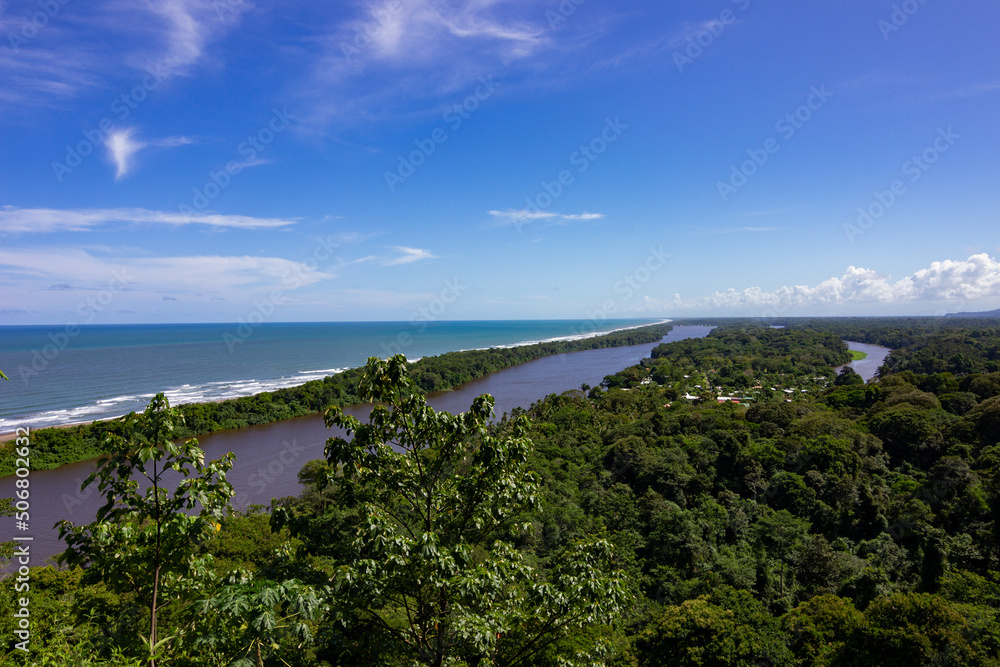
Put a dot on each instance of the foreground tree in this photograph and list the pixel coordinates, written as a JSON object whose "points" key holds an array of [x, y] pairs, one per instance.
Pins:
{"points": [[146, 542], [432, 574]]}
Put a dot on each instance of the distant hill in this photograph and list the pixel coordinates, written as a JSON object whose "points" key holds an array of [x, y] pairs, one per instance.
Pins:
{"points": [[986, 313]]}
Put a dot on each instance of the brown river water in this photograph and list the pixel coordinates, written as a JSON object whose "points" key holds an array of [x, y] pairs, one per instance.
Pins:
{"points": [[269, 457]]}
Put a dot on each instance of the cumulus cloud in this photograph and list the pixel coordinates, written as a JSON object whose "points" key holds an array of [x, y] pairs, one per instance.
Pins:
{"points": [[45, 220], [975, 278]]}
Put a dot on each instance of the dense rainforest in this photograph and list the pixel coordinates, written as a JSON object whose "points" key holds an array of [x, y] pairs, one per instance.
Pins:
{"points": [[821, 520], [53, 447]]}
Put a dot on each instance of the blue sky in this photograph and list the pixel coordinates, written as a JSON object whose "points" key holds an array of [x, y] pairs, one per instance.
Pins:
{"points": [[182, 161]]}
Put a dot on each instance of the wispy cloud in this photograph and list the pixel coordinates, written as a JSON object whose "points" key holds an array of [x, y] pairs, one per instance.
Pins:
{"points": [[520, 217], [81, 270], [428, 31], [975, 89], [564, 219], [122, 148], [408, 256], [109, 40], [46, 220], [184, 34], [655, 46], [420, 51]]}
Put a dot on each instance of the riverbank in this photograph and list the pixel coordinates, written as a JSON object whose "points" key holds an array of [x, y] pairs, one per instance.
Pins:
{"points": [[269, 456], [868, 365], [54, 447]]}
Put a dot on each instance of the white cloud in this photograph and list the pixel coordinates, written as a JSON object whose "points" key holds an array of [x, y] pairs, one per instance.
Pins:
{"points": [[512, 216], [416, 51], [975, 89], [977, 277], [408, 256], [184, 35], [45, 220], [191, 274], [89, 46], [169, 142], [122, 148], [583, 216], [519, 217], [425, 29]]}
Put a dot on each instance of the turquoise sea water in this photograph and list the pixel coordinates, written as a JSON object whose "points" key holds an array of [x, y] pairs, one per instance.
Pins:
{"points": [[65, 375]]}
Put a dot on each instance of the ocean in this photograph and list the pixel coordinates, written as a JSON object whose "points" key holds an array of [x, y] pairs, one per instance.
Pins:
{"points": [[80, 374]]}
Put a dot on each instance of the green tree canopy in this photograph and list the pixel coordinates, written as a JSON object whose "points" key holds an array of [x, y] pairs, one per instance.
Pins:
{"points": [[145, 543], [433, 574]]}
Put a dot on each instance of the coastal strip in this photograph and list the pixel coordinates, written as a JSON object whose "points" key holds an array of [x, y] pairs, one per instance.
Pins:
{"points": [[58, 446]]}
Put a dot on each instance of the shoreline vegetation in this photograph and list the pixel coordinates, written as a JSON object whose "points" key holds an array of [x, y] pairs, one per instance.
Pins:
{"points": [[60, 445], [852, 524], [858, 355]]}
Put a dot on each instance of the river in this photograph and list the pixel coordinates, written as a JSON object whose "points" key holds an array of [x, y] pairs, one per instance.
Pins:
{"points": [[867, 367], [269, 457]]}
